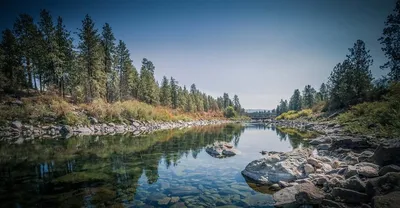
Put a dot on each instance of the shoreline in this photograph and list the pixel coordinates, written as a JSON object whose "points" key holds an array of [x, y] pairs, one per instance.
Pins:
{"points": [[17, 130]]}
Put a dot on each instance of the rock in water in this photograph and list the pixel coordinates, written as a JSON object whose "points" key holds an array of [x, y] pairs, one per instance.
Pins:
{"points": [[221, 149], [285, 197]]}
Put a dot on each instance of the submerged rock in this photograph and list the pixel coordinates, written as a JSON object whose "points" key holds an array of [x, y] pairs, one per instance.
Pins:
{"points": [[221, 149], [305, 193]]}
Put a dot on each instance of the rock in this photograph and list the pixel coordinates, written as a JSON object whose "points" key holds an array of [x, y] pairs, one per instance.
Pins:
{"points": [[65, 129], [264, 152], [389, 168], [285, 197], [391, 200], [275, 187], [83, 130], [273, 158], [335, 182], [308, 194], [93, 120], [326, 167], [350, 142], [326, 203], [366, 156], [351, 159], [323, 140], [16, 124], [323, 147], [314, 162], [174, 199], [183, 190], [387, 154], [350, 171], [354, 183], [266, 170], [349, 196], [383, 184], [367, 169], [164, 201], [230, 152], [305, 193], [308, 169], [284, 184]]}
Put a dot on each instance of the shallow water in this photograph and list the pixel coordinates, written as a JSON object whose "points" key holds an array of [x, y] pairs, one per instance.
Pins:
{"points": [[163, 169]]}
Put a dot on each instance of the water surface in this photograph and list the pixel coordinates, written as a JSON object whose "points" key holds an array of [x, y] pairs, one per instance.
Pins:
{"points": [[162, 169]]}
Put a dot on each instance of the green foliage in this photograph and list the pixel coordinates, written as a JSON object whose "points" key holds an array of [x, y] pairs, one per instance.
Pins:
{"points": [[295, 101], [380, 118], [299, 133], [308, 96], [291, 115], [229, 112], [391, 43]]}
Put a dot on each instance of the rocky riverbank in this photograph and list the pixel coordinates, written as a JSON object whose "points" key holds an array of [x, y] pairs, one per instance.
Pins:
{"points": [[16, 129], [324, 127], [338, 171]]}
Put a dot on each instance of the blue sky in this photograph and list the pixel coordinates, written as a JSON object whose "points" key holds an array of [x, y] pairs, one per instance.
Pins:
{"points": [[260, 50]]}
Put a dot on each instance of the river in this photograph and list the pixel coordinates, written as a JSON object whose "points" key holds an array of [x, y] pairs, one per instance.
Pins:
{"points": [[162, 169]]}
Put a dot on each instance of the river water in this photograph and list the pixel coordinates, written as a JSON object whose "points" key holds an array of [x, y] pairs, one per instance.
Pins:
{"points": [[162, 169]]}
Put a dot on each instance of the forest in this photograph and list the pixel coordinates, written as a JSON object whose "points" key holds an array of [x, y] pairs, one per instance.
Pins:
{"points": [[39, 59], [363, 104]]}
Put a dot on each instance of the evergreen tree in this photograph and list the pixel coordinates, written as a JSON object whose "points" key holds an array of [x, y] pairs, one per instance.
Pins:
{"points": [[165, 92], [236, 104], [323, 92], [227, 100], [91, 59], [391, 42], [308, 96], [295, 101], [124, 67], [148, 88], [108, 43], [174, 94], [10, 62]]}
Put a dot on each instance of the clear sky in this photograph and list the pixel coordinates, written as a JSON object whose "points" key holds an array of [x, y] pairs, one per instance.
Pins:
{"points": [[260, 50]]}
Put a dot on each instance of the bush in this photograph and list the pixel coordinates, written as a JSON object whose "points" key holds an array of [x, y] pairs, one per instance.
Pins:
{"points": [[229, 112], [291, 115]]}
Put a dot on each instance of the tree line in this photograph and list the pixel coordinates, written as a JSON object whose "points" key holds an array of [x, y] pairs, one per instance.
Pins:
{"points": [[42, 56], [351, 81]]}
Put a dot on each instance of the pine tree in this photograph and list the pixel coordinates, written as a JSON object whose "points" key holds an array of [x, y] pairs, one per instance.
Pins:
{"points": [[236, 104], [308, 96], [174, 93], [108, 43], [391, 43], [323, 90], [10, 62], [165, 92], [295, 101], [148, 88], [91, 58], [124, 67]]}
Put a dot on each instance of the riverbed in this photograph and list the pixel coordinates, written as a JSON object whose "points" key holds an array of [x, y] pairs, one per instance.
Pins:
{"points": [[163, 169]]}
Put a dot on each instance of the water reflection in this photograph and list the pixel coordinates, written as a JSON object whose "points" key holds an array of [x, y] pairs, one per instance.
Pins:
{"points": [[124, 170]]}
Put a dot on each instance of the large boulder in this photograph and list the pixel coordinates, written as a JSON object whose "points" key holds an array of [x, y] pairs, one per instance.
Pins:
{"points": [[391, 200], [349, 196], [383, 184], [350, 142], [289, 168], [388, 169], [387, 154], [354, 183], [305, 193]]}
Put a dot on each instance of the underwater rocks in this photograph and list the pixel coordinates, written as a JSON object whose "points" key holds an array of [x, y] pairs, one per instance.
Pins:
{"points": [[221, 149]]}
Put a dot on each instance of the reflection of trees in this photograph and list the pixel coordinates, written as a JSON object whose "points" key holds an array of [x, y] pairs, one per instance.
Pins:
{"points": [[108, 165], [294, 139]]}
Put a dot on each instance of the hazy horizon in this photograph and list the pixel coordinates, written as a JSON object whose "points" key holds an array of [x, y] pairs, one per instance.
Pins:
{"points": [[259, 50]]}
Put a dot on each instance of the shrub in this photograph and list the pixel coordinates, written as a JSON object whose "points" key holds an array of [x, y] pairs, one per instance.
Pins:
{"points": [[291, 115], [229, 112]]}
